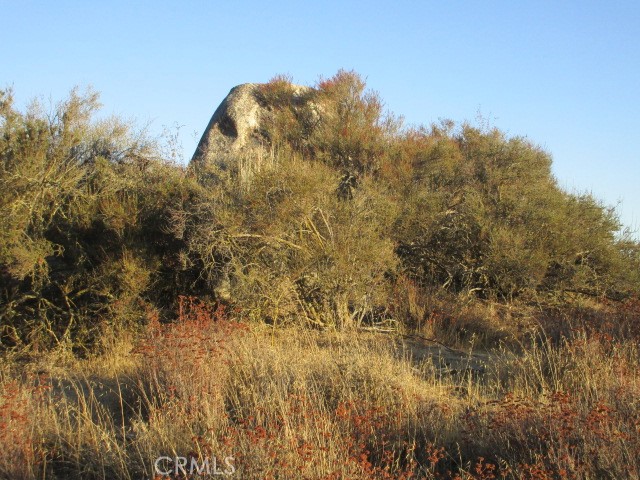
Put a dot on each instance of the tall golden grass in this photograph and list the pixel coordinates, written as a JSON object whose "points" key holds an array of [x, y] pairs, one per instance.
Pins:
{"points": [[295, 403]]}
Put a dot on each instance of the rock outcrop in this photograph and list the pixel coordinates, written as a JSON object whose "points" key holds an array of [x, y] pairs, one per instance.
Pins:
{"points": [[236, 128]]}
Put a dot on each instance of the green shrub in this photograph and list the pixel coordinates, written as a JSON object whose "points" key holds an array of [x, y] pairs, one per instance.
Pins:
{"points": [[98, 231], [84, 210], [291, 249], [484, 214]]}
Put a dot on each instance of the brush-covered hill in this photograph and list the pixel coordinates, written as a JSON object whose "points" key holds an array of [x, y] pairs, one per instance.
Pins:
{"points": [[301, 205]]}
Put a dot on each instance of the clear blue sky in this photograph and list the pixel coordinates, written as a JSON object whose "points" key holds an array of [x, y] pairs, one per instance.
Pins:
{"points": [[566, 74]]}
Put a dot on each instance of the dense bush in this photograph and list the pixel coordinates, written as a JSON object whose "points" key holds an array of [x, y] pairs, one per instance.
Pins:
{"points": [[98, 231], [486, 215], [83, 242], [478, 212]]}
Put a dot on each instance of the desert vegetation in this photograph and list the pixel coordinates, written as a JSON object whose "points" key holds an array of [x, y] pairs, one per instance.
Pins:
{"points": [[291, 316]]}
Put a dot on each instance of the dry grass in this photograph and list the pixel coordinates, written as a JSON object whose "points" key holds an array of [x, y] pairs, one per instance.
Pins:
{"points": [[295, 403]]}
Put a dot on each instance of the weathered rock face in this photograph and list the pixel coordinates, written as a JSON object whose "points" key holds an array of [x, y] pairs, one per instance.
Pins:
{"points": [[236, 127]]}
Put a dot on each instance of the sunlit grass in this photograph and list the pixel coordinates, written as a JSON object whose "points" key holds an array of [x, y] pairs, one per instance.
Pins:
{"points": [[299, 403]]}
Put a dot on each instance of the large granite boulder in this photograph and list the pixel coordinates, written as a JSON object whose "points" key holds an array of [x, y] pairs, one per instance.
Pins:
{"points": [[237, 128]]}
